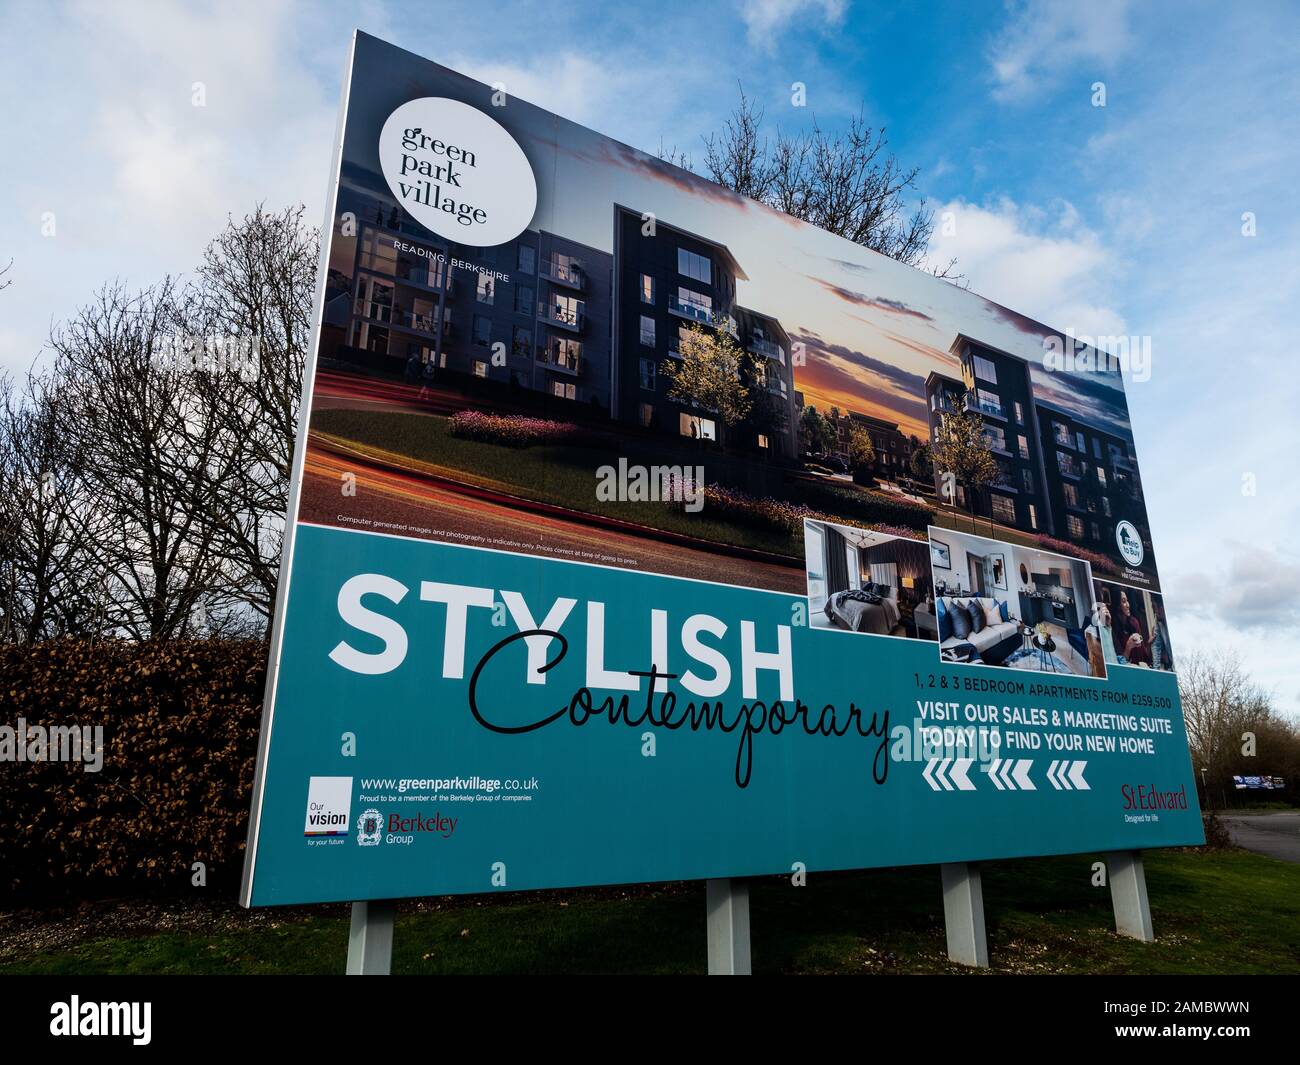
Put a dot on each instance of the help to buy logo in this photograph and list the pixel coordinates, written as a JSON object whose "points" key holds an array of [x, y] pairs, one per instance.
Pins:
{"points": [[329, 806]]}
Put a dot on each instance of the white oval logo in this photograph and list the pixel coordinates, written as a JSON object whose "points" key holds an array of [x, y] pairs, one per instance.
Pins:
{"points": [[457, 171], [1130, 543]]}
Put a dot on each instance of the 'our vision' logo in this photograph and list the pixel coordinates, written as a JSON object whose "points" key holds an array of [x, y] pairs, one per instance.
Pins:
{"points": [[370, 828], [1130, 543], [329, 806], [457, 171]]}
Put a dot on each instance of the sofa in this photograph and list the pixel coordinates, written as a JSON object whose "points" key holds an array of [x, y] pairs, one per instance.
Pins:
{"points": [[993, 642]]}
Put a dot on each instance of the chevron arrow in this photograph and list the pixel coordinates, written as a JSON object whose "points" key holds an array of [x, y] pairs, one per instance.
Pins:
{"points": [[925, 774], [1021, 774], [1056, 774], [993, 774], [959, 771], [1076, 776]]}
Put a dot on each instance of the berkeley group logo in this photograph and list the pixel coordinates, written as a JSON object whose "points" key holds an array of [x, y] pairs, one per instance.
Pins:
{"points": [[457, 171], [1130, 543], [370, 828], [329, 806]]}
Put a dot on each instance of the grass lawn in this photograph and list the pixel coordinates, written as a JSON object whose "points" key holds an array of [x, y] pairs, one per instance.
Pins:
{"points": [[1214, 912], [564, 476]]}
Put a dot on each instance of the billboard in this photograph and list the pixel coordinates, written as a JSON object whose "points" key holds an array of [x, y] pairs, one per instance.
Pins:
{"points": [[628, 540]]}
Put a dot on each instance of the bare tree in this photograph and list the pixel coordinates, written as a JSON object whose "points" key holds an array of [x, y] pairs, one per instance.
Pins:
{"points": [[256, 283], [847, 183], [48, 520], [149, 457], [1220, 705]]}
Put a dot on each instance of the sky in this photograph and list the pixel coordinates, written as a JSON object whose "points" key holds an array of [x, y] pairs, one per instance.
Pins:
{"points": [[133, 129]]}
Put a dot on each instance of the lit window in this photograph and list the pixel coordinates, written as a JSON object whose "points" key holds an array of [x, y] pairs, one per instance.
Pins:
{"points": [[487, 288], [1020, 412], [480, 368], [1075, 526], [1004, 508], [1024, 446], [647, 331], [1101, 476], [564, 390], [762, 440], [1033, 516], [647, 412], [696, 427], [647, 289]]}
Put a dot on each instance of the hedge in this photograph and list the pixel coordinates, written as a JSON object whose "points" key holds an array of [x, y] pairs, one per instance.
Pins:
{"points": [[517, 430], [180, 722], [865, 506]]}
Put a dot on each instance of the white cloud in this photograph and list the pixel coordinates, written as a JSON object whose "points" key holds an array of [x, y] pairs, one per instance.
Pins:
{"points": [[1043, 263], [136, 176], [766, 19], [1258, 588], [1045, 38]]}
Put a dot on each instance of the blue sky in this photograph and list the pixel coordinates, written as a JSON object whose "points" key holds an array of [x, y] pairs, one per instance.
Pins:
{"points": [[1123, 219]]}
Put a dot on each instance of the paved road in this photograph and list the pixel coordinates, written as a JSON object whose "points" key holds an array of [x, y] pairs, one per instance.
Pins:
{"points": [[1276, 835], [439, 512]]}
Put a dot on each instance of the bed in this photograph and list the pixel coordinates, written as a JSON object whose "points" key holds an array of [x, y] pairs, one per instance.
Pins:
{"points": [[863, 611]]}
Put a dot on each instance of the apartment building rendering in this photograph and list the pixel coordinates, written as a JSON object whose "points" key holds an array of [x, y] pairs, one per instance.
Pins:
{"points": [[892, 447], [588, 330], [1059, 475], [533, 314], [672, 280]]}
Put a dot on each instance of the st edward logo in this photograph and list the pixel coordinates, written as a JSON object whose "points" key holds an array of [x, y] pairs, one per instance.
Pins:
{"points": [[329, 806], [370, 827]]}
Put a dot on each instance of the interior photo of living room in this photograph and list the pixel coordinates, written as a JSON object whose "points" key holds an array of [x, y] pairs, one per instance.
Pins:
{"points": [[999, 604], [865, 581], [1133, 626]]}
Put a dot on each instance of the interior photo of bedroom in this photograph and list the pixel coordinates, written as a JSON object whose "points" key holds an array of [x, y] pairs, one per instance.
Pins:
{"points": [[870, 582], [1133, 626], [998, 604]]}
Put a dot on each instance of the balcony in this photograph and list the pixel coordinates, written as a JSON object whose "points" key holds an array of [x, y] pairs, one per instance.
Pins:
{"points": [[570, 274], [565, 315], [436, 280], [422, 323], [693, 311], [558, 357], [569, 364], [373, 310], [985, 406], [768, 349]]}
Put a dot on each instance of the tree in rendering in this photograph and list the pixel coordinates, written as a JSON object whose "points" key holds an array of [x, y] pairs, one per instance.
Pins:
{"points": [[922, 462], [818, 433], [961, 451], [862, 453], [708, 375]]}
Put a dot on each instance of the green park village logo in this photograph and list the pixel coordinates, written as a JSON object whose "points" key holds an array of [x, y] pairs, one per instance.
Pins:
{"points": [[58, 743], [433, 178], [103, 1018]]}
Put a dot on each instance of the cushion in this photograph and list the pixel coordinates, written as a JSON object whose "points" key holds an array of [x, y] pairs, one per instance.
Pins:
{"points": [[961, 623], [992, 612], [1005, 610], [943, 618], [977, 618]]}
